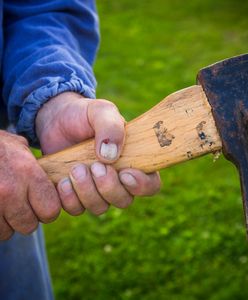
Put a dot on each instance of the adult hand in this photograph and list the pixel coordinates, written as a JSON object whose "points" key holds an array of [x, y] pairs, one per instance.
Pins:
{"points": [[26, 194], [68, 119]]}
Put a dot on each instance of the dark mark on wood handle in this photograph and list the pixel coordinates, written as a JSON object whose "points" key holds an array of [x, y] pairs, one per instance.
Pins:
{"points": [[164, 137]]}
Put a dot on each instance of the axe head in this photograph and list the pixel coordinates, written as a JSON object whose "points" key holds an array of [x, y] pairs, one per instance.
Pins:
{"points": [[226, 86]]}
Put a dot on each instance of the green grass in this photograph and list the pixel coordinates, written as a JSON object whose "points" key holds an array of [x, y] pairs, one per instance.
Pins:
{"points": [[188, 242]]}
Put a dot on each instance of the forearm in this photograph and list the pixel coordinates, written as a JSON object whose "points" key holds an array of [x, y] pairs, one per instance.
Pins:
{"points": [[55, 56]]}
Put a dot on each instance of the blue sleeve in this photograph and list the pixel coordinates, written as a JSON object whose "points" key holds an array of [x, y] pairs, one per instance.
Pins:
{"points": [[50, 46]]}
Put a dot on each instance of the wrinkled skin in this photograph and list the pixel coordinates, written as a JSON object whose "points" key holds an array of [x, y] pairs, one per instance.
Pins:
{"points": [[26, 194], [68, 119]]}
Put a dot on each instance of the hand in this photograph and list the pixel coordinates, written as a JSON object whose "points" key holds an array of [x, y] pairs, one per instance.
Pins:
{"points": [[68, 119], [26, 194]]}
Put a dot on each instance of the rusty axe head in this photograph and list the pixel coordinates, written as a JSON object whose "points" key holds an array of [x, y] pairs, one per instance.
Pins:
{"points": [[226, 86]]}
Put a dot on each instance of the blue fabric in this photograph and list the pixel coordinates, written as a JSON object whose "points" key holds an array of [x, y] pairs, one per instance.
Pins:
{"points": [[46, 47], [23, 268], [49, 48]]}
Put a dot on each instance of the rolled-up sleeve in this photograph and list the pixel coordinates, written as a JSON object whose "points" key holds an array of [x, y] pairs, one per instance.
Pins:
{"points": [[50, 46]]}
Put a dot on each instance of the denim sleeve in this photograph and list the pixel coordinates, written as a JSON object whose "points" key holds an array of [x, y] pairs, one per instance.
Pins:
{"points": [[50, 46]]}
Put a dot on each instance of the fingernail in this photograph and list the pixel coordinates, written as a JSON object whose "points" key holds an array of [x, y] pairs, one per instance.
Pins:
{"points": [[128, 179], [79, 172], [98, 169], [108, 150], [66, 186]]}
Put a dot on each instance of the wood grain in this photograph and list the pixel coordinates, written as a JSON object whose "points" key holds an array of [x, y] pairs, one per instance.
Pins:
{"points": [[179, 128]]}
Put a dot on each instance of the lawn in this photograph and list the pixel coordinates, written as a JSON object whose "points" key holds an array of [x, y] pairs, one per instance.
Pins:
{"points": [[188, 242]]}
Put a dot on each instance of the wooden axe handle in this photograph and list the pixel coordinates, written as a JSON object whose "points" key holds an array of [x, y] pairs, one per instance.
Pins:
{"points": [[179, 128]]}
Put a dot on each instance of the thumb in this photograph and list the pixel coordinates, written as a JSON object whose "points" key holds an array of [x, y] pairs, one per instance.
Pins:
{"points": [[109, 128]]}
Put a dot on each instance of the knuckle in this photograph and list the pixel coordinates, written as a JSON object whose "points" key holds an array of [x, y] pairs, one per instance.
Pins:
{"points": [[104, 104], [71, 205], [17, 213], [124, 203], [22, 140], [106, 188], [39, 177], [29, 228], [47, 201], [22, 219], [74, 211], [108, 185], [6, 235], [50, 213], [26, 164], [99, 210]]}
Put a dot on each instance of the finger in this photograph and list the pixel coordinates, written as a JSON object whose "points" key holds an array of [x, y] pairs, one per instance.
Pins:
{"points": [[21, 218], [86, 191], [43, 197], [109, 186], [69, 199], [140, 184], [108, 128], [5, 230]]}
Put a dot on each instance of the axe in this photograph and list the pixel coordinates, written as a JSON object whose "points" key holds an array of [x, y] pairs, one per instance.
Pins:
{"points": [[206, 118]]}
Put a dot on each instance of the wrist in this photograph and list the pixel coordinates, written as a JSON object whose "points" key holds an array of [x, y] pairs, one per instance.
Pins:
{"points": [[49, 114]]}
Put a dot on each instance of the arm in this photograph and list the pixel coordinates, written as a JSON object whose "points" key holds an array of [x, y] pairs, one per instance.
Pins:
{"points": [[49, 49], [55, 59], [42, 58]]}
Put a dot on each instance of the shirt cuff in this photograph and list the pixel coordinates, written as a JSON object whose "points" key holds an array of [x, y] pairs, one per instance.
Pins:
{"points": [[26, 123]]}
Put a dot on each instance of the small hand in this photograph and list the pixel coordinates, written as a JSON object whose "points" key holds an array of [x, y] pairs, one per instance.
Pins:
{"points": [[26, 194], [68, 119]]}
